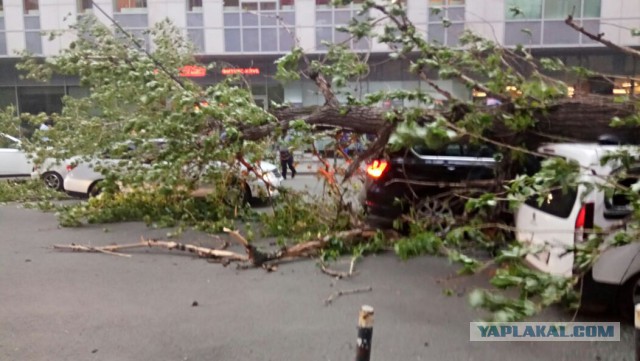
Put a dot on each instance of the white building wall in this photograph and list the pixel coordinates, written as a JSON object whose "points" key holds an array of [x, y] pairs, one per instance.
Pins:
{"points": [[174, 10], [486, 18], [213, 26], [107, 7], [57, 15], [306, 23], [14, 25], [618, 17]]}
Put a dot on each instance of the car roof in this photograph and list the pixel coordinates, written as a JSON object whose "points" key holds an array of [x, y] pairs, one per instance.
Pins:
{"points": [[585, 154], [10, 137]]}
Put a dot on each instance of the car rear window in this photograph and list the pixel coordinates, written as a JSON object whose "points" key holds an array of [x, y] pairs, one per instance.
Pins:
{"points": [[558, 202]]}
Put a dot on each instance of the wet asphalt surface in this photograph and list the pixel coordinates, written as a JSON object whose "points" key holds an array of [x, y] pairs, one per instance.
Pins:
{"points": [[160, 305]]}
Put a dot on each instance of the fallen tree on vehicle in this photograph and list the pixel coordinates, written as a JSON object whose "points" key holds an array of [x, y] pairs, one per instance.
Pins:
{"points": [[141, 97]]}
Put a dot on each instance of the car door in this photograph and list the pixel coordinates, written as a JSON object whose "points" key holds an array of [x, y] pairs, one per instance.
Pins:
{"points": [[13, 161]]}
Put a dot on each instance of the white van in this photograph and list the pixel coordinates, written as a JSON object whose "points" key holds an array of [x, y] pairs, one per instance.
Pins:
{"points": [[560, 221]]}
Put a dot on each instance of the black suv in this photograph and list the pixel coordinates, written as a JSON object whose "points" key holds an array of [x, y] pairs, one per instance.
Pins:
{"points": [[432, 182]]}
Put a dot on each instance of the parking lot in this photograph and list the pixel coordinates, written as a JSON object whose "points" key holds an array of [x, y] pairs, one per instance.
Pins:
{"points": [[72, 306]]}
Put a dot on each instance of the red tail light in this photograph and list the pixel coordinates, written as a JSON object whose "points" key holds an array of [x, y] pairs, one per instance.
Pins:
{"points": [[584, 221], [70, 167], [376, 169]]}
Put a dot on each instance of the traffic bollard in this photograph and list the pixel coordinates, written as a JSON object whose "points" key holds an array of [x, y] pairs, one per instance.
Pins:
{"points": [[365, 332], [637, 330]]}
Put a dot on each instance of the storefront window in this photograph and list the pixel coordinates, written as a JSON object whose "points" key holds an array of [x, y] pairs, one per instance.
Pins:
{"points": [[130, 5], [7, 97], [45, 99], [31, 6]]}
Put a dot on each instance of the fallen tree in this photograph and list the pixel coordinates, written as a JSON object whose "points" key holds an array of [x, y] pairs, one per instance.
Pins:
{"points": [[141, 97]]}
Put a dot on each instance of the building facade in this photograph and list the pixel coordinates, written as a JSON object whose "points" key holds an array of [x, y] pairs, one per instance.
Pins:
{"points": [[251, 34]]}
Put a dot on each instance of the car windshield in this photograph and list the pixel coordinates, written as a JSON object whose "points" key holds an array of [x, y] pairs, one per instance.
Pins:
{"points": [[7, 141]]}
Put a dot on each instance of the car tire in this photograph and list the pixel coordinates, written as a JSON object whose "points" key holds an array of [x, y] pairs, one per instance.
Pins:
{"points": [[246, 196], [53, 180], [95, 189], [628, 297]]}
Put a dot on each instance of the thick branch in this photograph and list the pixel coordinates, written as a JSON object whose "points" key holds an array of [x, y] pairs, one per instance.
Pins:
{"points": [[600, 38]]}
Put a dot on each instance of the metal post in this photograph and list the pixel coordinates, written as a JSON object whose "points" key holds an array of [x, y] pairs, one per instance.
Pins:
{"points": [[637, 331], [365, 331]]}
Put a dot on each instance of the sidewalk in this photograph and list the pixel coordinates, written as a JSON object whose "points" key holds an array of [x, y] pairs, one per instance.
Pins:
{"points": [[307, 163]]}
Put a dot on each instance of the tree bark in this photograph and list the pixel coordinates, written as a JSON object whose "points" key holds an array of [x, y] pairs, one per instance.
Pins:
{"points": [[580, 119]]}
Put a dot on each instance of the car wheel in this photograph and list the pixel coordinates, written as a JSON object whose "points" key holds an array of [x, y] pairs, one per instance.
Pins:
{"points": [[53, 180], [629, 296], [235, 193], [436, 213], [95, 189]]}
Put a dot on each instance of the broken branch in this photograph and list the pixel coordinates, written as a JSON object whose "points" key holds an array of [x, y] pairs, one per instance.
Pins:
{"points": [[335, 295]]}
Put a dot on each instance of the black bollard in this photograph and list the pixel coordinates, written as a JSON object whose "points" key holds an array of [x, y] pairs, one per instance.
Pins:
{"points": [[636, 316], [365, 332]]}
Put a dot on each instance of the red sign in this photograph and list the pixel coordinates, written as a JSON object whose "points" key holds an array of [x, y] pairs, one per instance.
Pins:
{"points": [[190, 71], [193, 71], [242, 71]]}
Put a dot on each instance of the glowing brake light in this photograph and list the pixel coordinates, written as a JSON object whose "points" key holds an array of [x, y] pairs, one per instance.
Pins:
{"points": [[70, 167], [584, 221], [377, 168]]}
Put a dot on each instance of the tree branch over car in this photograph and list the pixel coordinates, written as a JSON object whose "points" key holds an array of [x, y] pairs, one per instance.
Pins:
{"points": [[219, 129]]}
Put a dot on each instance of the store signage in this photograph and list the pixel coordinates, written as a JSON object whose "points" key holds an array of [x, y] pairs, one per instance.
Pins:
{"points": [[190, 71], [240, 71], [193, 71]]}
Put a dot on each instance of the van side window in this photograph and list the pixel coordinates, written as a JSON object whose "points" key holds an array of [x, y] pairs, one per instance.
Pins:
{"points": [[558, 203]]}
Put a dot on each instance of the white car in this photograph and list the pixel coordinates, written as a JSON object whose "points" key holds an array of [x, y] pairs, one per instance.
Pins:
{"points": [[560, 221], [16, 164], [84, 179]]}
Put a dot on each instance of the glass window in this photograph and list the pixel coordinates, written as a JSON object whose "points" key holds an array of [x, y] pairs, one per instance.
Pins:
{"points": [[286, 4], [324, 3], [231, 3], [126, 5], [591, 9], [267, 6], [1, 5], [529, 9], [250, 6], [30, 6], [7, 97], [40, 99], [195, 5], [560, 9], [556, 203], [84, 5], [436, 3]]}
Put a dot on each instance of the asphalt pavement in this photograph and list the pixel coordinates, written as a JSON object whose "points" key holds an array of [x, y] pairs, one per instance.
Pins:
{"points": [[160, 305]]}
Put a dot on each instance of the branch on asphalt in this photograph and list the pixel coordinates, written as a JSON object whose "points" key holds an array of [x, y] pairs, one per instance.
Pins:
{"points": [[335, 295]]}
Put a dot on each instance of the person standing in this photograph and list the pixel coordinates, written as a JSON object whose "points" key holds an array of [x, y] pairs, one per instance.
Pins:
{"points": [[286, 160]]}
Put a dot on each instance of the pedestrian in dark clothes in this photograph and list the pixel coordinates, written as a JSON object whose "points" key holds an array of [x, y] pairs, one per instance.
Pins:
{"points": [[286, 159]]}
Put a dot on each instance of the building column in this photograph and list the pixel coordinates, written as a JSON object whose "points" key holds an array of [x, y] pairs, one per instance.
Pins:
{"points": [[213, 16], [306, 23], [14, 26]]}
